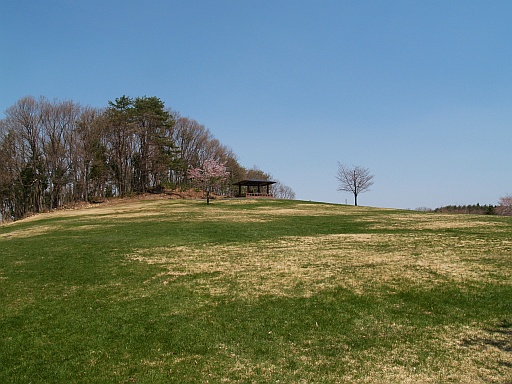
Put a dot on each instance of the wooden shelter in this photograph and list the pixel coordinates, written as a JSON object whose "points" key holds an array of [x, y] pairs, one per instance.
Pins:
{"points": [[254, 188]]}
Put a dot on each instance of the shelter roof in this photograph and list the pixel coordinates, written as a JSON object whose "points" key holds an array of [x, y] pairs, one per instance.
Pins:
{"points": [[254, 182]]}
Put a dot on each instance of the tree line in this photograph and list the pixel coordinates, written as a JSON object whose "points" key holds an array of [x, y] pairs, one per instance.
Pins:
{"points": [[54, 153], [503, 208], [472, 209]]}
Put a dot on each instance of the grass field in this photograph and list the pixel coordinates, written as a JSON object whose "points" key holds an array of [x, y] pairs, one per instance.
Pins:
{"points": [[247, 291]]}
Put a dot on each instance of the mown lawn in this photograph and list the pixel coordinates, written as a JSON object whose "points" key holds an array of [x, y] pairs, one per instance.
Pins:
{"points": [[166, 291]]}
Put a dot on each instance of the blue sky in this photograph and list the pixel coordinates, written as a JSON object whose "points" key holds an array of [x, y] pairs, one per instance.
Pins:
{"points": [[420, 92]]}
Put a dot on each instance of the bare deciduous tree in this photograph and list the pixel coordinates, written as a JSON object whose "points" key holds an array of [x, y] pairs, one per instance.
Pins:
{"points": [[91, 159], [196, 144], [282, 191], [58, 122], [354, 179], [10, 165], [24, 121]]}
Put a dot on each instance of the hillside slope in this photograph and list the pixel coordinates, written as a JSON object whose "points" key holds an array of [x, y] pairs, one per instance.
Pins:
{"points": [[165, 291]]}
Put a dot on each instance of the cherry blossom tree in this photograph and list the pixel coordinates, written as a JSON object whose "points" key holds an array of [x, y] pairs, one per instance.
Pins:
{"points": [[505, 206], [210, 175]]}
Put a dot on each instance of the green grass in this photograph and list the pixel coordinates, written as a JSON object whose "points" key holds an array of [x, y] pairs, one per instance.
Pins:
{"points": [[261, 291]]}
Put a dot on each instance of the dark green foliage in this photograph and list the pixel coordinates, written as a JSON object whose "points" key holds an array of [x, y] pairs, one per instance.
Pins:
{"points": [[475, 209]]}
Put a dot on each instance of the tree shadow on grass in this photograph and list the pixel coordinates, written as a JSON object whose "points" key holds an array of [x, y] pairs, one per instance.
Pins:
{"points": [[499, 337]]}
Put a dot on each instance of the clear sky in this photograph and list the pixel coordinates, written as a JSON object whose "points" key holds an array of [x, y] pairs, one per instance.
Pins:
{"points": [[420, 92]]}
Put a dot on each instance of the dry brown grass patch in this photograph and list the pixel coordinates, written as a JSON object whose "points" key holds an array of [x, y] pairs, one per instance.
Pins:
{"points": [[421, 221], [302, 266], [28, 232]]}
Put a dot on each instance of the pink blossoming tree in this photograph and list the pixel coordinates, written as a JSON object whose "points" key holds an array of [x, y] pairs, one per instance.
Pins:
{"points": [[210, 175], [505, 206]]}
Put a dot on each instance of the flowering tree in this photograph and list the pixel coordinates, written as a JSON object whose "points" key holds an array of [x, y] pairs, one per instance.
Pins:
{"points": [[210, 175], [505, 206]]}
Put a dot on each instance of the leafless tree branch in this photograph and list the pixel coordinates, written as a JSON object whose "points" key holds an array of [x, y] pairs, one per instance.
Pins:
{"points": [[354, 179]]}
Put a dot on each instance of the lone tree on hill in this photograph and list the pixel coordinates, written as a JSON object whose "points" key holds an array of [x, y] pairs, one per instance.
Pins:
{"points": [[354, 179], [209, 176]]}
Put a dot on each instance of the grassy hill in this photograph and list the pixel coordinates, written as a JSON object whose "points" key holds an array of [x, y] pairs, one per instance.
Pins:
{"points": [[163, 291]]}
